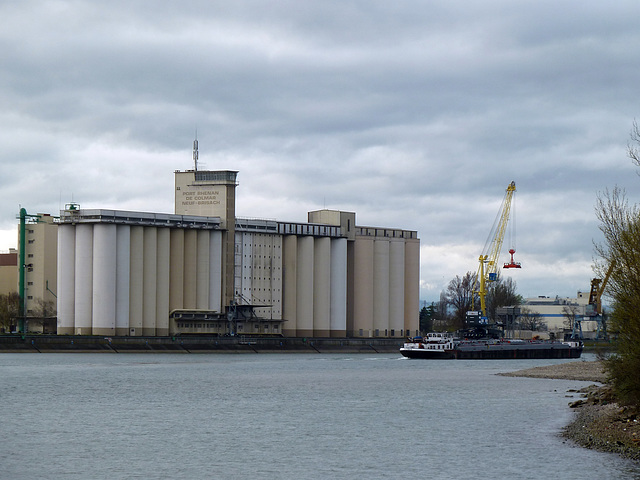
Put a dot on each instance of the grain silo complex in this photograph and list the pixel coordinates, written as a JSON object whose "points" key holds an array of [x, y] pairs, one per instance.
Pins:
{"points": [[201, 270]]}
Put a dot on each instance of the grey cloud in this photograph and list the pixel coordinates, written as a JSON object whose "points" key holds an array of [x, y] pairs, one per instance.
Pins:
{"points": [[414, 115]]}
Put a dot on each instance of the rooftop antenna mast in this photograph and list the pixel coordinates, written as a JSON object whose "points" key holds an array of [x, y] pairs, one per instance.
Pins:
{"points": [[195, 152]]}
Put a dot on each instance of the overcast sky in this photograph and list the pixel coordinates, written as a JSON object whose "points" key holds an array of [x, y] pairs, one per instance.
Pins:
{"points": [[413, 114]]}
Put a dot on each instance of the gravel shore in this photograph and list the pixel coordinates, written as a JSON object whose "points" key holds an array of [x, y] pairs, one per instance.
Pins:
{"points": [[599, 423], [582, 370]]}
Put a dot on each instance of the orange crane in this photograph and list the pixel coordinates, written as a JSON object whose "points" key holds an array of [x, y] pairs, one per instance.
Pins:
{"points": [[597, 289], [595, 301]]}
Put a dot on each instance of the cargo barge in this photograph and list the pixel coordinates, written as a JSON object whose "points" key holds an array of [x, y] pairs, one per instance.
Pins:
{"points": [[446, 346]]}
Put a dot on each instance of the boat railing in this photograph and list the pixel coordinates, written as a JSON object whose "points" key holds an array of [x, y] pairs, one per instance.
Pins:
{"points": [[443, 345]]}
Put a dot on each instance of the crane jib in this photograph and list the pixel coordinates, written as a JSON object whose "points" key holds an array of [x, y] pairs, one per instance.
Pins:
{"points": [[488, 260]]}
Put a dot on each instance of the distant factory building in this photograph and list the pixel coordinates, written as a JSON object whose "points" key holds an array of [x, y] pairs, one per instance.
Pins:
{"points": [[9, 272], [30, 272], [202, 270], [559, 314]]}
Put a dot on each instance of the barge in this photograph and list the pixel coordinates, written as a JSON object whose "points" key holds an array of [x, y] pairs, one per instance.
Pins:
{"points": [[446, 346]]}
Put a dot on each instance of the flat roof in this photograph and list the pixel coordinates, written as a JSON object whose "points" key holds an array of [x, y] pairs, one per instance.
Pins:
{"points": [[9, 259], [122, 217]]}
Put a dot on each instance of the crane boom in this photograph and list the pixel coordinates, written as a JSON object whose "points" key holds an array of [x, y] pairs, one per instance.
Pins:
{"points": [[488, 260], [597, 289]]}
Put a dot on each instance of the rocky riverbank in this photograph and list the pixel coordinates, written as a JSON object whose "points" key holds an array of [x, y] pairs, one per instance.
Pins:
{"points": [[599, 423]]}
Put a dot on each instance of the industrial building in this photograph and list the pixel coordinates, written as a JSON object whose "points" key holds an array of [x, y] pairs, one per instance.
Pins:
{"points": [[38, 238], [9, 272], [201, 270], [561, 314], [555, 316], [30, 272]]}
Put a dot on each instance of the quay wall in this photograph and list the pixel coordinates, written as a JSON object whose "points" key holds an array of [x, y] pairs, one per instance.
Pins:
{"points": [[193, 344]]}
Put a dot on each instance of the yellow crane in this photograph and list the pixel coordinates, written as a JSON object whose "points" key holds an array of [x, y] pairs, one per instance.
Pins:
{"points": [[597, 289], [488, 261], [594, 309]]}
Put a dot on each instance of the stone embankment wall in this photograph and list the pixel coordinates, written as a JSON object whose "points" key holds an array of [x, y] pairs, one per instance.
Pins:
{"points": [[194, 344]]}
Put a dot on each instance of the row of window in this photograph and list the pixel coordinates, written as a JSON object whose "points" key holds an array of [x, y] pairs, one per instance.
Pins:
{"points": [[215, 176], [258, 247], [384, 232], [217, 327], [255, 289], [386, 332], [309, 229]]}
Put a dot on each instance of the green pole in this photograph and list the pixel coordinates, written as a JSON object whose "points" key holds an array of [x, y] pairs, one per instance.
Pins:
{"points": [[21, 271]]}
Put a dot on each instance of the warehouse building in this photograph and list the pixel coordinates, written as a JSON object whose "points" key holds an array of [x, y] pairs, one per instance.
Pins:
{"points": [[559, 315], [202, 270], [9, 272]]}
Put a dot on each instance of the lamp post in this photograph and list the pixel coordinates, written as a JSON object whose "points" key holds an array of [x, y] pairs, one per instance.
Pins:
{"points": [[22, 307]]}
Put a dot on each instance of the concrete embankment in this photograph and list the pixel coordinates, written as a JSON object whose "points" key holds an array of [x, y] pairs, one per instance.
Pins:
{"points": [[193, 344]]}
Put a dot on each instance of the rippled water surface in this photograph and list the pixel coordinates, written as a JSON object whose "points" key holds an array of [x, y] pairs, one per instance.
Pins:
{"points": [[289, 416]]}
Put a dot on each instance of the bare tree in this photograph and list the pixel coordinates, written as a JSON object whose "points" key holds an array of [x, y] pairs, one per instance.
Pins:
{"points": [[620, 224], [460, 296], [9, 307], [43, 313], [441, 314], [502, 292], [570, 313], [632, 147], [44, 308], [530, 320]]}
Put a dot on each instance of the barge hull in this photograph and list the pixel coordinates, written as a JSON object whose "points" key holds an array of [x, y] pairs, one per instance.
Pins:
{"points": [[427, 354], [516, 353], [495, 352]]}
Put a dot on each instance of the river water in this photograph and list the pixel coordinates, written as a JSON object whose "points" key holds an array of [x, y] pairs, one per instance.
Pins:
{"points": [[286, 416]]}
